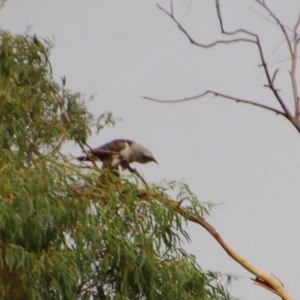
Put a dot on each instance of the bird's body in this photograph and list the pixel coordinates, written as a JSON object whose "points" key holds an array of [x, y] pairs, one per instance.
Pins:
{"points": [[119, 153]]}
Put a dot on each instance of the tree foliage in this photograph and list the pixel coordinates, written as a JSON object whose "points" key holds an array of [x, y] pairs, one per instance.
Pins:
{"points": [[72, 233]]}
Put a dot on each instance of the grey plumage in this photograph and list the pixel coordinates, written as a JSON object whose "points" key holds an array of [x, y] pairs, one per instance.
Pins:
{"points": [[120, 153]]}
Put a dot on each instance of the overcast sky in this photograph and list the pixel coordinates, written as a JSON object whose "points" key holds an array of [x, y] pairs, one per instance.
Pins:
{"points": [[241, 156]]}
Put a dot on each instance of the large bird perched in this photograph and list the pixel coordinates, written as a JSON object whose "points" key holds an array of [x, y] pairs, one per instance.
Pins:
{"points": [[119, 153]]}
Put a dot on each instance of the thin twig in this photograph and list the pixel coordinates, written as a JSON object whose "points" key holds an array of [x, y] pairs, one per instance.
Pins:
{"points": [[219, 15], [274, 75], [278, 22], [272, 21]]}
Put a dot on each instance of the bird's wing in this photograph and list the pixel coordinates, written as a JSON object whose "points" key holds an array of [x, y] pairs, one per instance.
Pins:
{"points": [[108, 150], [115, 146], [111, 152]]}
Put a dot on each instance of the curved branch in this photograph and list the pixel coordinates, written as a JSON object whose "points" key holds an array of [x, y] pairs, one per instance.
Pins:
{"points": [[217, 94], [263, 278], [193, 41]]}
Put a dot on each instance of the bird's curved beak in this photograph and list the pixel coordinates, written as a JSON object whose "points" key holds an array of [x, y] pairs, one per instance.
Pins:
{"points": [[154, 160]]}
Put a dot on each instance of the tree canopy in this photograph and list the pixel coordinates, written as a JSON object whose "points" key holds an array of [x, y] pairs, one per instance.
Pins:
{"points": [[72, 233]]}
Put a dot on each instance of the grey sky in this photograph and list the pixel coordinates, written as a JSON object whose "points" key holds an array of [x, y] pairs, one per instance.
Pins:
{"points": [[246, 158]]}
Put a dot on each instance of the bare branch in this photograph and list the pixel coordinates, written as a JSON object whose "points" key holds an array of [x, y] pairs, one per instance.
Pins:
{"points": [[282, 27], [293, 53], [219, 15], [271, 85], [217, 94], [274, 75], [262, 58], [294, 68], [192, 41], [265, 285], [240, 30], [272, 21], [265, 279]]}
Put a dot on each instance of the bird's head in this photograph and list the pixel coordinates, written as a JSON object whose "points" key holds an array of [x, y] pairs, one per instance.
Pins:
{"points": [[142, 155], [149, 158]]}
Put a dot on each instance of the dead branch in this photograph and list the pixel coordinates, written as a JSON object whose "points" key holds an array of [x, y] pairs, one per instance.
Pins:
{"points": [[253, 40], [262, 58], [217, 94], [193, 41]]}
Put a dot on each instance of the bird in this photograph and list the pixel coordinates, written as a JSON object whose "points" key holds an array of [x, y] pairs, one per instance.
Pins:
{"points": [[120, 152]]}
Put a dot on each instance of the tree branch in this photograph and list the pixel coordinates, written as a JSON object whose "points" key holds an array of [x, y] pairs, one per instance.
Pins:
{"points": [[278, 22], [171, 15], [217, 94], [262, 58], [263, 278], [292, 50], [294, 68]]}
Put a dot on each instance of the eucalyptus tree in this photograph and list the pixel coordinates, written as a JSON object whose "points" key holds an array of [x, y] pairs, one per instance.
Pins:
{"points": [[72, 233]]}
